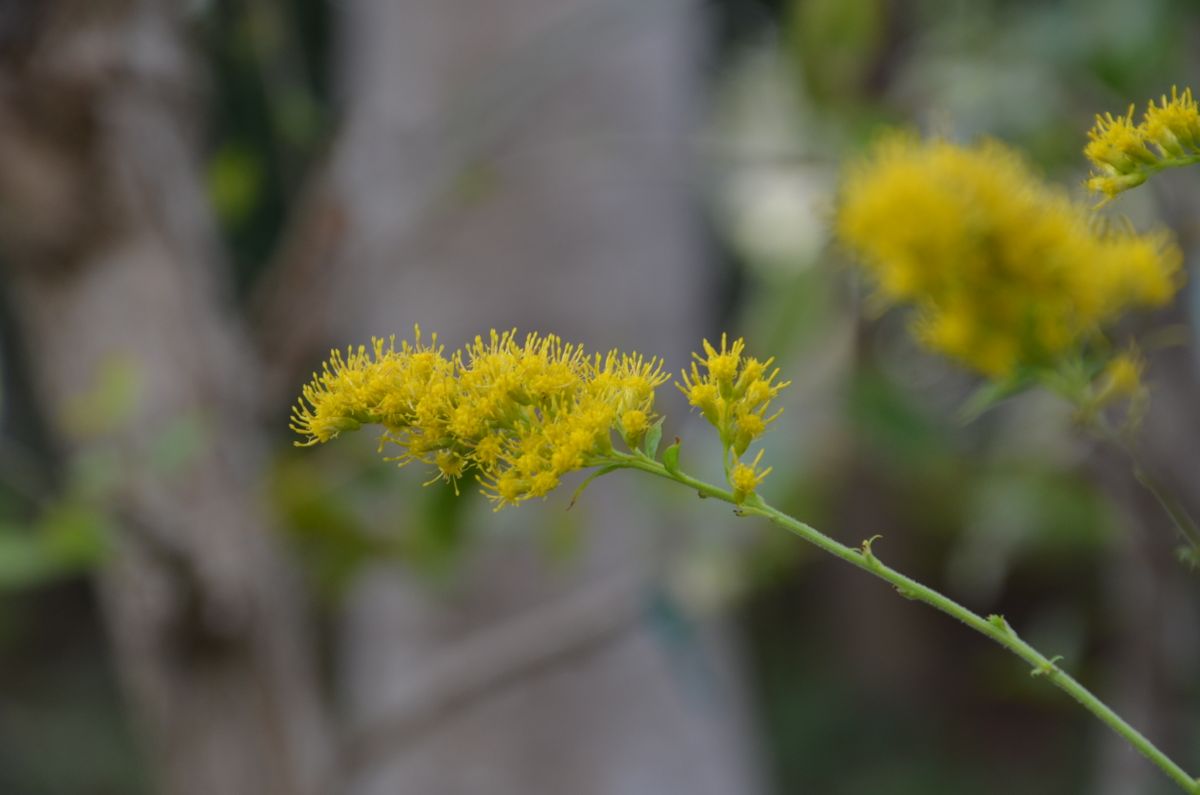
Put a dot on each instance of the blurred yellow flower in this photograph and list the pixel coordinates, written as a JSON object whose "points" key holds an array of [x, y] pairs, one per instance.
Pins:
{"points": [[1004, 270], [1125, 153]]}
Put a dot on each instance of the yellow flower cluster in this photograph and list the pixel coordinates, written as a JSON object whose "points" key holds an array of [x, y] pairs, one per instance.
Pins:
{"points": [[734, 393], [520, 413], [1125, 153], [1004, 270]]}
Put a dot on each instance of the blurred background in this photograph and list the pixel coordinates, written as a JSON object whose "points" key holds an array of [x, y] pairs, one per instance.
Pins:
{"points": [[199, 199]]}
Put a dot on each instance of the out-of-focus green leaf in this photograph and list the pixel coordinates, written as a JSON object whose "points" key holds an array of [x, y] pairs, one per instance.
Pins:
{"points": [[438, 536], [178, 444], [891, 421], [989, 396], [66, 540], [23, 559], [836, 42], [298, 117], [95, 472], [329, 537], [235, 182], [1189, 556], [109, 402]]}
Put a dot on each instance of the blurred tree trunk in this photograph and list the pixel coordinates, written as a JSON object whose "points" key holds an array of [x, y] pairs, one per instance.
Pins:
{"points": [[110, 254], [518, 164]]}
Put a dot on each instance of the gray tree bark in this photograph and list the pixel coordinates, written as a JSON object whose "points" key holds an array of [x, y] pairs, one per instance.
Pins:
{"points": [[518, 164], [111, 259]]}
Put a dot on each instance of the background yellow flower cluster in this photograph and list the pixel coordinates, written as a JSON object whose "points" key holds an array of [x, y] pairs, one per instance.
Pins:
{"points": [[1004, 270]]}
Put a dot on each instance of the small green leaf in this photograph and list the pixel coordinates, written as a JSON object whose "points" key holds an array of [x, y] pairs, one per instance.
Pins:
{"points": [[1047, 667], [236, 180], [671, 458], [653, 437], [599, 472], [987, 396], [867, 552]]}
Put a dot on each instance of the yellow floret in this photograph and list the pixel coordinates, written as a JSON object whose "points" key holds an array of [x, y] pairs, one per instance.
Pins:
{"points": [[634, 424], [747, 427], [745, 478], [722, 365]]}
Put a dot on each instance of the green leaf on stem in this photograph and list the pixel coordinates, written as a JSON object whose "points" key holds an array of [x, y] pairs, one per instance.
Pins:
{"points": [[671, 458], [598, 473], [653, 437], [988, 396]]}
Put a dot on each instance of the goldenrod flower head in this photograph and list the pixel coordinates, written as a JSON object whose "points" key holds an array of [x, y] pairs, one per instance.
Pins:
{"points": [[731, 387], [634, 424], [1117, 144], [367, 386], [1174, 124], [1004, 271], [1125, 153], [747, 426], [745, 478], [722, 365], [520, 412], [705, 397], [733, 393]]}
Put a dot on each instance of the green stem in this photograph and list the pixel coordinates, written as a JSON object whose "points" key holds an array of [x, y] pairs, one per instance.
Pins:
{"points": [[994, 627], [1170, 162], [1184, 524], [1171, 507]]}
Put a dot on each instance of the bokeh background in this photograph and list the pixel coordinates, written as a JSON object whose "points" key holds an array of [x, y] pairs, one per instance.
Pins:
{"points": [[199, 199]]}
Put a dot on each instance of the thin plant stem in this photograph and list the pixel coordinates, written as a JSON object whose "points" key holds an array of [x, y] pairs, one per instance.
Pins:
{"points": [[994, 626], [1176, 512]]}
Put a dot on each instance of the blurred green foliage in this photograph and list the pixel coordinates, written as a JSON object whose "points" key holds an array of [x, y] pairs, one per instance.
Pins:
{"points": [[65, 540], [342, 512], [235, 184], [838, 44]]}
